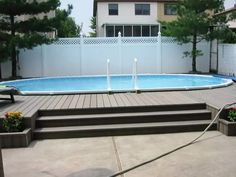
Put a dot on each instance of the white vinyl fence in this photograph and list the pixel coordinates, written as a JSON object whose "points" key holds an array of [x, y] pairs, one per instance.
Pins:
{"points": [[88, 56], [227, 59]]}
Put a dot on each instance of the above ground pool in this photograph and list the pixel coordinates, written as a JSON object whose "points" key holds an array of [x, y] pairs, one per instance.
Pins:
{"points": [[121, 83]]}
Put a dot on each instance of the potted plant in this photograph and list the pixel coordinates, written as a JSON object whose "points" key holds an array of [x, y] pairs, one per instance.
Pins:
{"points": [[227, 122], [13, 133]]}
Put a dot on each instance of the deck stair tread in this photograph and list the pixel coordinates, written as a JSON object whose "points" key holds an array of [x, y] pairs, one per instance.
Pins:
{"points": [[122, 121], [126, 109], [111, 115], [122, 126]]}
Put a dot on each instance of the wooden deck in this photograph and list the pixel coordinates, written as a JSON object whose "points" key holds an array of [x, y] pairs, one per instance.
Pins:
{"points": [[28, 105]]}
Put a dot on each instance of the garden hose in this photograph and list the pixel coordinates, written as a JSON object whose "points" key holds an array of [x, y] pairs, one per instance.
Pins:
{"points": [[176, 149]]}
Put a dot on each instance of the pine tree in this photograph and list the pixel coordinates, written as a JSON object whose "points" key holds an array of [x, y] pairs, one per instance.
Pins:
{"points": [[65, 25], [93, 27], [195, 19], [28, 33]]}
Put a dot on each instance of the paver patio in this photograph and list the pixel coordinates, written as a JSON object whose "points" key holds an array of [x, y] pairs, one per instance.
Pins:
{"points": [[214, 156]]}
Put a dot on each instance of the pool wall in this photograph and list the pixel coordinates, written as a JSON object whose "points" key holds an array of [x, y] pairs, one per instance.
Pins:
{"points": [[128, 84]]}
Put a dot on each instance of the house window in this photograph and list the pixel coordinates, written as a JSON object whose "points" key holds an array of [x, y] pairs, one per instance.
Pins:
{"points": [[132, 30], [170, 9], [154, 30], [145, 31], [142, 9], [137, 31], [113, 9], [118, 29], [110, 32], [128, 31]]}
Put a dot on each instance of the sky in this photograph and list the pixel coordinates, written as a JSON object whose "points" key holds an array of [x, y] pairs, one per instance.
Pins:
{"points": [[83, 11]]}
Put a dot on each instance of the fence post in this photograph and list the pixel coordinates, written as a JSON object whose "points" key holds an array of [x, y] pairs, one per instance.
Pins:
{"points": [[120, 52], [43, 60], [234, 58], [159, 53], [81, 53]]}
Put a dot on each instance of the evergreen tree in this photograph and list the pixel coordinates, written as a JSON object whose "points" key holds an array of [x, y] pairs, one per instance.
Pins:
{"points": [[4, 52], [28, 33], [195, 18], [4, 55], [93, 27], [65, 25]]}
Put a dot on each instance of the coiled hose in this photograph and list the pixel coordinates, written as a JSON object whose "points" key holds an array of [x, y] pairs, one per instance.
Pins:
{"points": [[176, 149]]}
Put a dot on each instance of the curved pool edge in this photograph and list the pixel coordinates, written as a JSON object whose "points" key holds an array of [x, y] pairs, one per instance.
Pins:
{"points": [[228, 83]]}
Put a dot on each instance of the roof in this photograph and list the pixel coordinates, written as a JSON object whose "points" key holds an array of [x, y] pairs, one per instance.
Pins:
{"points": [[96, 1], [227, 11]]}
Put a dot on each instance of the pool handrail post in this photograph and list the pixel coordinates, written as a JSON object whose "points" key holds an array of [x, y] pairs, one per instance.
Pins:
{"points": [[108, 76], [135, 74], [159, 52]]}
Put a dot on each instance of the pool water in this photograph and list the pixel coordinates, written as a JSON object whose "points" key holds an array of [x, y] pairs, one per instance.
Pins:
{"points": [[88, 84]]}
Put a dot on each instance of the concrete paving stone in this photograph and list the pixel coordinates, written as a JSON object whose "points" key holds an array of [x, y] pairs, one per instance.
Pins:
{"points": [[85, 157], [214, 156]]}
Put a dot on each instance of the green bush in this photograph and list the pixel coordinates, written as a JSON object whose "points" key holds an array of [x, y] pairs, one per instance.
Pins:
{"points": [[232, 114], [13, 122]]}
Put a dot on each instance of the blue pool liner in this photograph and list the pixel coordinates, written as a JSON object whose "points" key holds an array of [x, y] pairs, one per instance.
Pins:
{"points": [[225, 77]]}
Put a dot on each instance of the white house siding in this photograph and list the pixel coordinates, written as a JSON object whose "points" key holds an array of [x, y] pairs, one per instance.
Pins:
{"points": [[126, 15]]}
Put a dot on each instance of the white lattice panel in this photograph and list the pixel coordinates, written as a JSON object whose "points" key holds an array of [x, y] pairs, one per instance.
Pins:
{"points": [[102, 41], [139, 40], [168, 40], [67, 41]]}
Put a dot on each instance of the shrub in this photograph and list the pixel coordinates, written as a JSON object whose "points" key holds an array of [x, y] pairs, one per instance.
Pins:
{"points": [[13, 122], [232, 114]]}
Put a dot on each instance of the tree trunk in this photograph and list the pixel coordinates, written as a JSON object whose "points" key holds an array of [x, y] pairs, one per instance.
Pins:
{"points": [[13, 64], [0, 71], [13, 48], [194, 53]]}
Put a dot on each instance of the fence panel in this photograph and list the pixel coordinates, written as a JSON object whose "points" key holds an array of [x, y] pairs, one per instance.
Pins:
{"points": [[88, 56], [227, 59]]}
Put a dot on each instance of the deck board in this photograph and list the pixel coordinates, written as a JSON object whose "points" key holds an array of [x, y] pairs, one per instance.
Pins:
{"points": [[54, 102], [31, 112], [48, 102], [74, 101], [25, 104], [67, 102], [61, 102], [147, 100], [124, 99], [80, 102], [106, 100], [112, 101], [138, 99], [87, 101], [93, 101], [100, 101], [31, 104], [119, 101]]}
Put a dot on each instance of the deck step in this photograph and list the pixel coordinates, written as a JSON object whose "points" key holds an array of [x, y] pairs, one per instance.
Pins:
{"points": [[122, 118], [127, 109], [121, 129]]}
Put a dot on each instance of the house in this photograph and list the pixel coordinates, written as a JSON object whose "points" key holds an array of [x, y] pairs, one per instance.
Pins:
{"points": [[132, 17], [228, 12]]}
